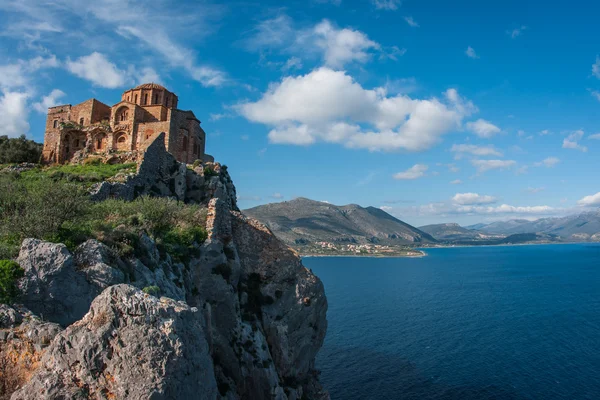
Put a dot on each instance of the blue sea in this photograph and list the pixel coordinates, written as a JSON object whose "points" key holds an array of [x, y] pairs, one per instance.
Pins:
{"points": [[511, 322]]}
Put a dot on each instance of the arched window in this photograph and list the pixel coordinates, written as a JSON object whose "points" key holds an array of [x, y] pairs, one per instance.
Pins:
{"points": [[135, 99], [185, 143], [145, 99], [167, 102], [121, 139], [55, 124], [81, 121], [99, 144], [155, 99]]}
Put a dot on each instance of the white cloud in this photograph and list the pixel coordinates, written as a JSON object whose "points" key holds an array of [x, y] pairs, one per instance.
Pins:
{"points": [[456, 182], [507, 209], [596, 68], [472, 198], [97, 69], [545, 132], [470, 52], [342, 46], [571, 141], [590, 201], [146, 74], [483, 128], [18, 74], [595, 94], [414, 172], [277, 196], [329, 106], [48, 101], [386, 208], [387, 4], [14, 114], [176, 55], [336, 46], [486, 165], [481, 151], [515, 33], [410, 21], [595, 136], [548, 162], [292, 63]]}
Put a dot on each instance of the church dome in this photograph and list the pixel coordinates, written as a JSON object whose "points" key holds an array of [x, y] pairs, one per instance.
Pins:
{"points": [[149, 86]]}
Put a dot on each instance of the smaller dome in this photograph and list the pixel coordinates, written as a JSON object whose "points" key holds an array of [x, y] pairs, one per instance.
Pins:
{"points": [[149, 86]]}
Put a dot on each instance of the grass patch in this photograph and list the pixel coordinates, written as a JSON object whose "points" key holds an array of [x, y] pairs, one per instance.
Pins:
{"points": [[38, 206], [87, 174], [10, 272]]}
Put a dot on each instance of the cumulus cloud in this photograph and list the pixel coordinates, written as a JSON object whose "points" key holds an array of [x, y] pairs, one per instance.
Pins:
{"points": [[14, 114], [277, 196], [590, 201], [341, 46], [547, 162], [414, 172], [18, 74], [97, 69], [470, 52], [410, 21], [571, 141], [329, 106], [515, 33], [456, 182], [595, 136], [481, 151], [472, 198], [387, 4], [596, 68], [483, 128], [487, 165], [336, 46], [48, 101]]}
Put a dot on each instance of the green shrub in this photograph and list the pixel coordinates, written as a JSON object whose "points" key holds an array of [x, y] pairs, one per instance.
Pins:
{"points": [[19, 150], [10, 272], [208, 172], [151, 290]]}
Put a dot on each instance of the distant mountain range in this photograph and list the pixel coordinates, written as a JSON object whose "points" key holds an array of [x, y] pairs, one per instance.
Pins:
{"points": [[584, 226], [303, 221]]}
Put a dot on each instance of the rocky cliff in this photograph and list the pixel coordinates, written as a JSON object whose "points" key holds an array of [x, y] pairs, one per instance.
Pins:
{"points": [[241, 318]]}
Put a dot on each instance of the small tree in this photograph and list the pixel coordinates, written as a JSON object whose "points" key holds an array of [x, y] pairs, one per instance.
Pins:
{"points": [[19, 150], [10, 272]]}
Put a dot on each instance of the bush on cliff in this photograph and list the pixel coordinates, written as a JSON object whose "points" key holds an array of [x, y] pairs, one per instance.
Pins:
{"points": [[60, 211], [10, 272], [19, 150]]}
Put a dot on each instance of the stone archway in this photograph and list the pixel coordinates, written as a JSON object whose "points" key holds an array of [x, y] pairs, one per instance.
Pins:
{"points": [[100, 142], [121, 141], [122, 115], [73, 141]]}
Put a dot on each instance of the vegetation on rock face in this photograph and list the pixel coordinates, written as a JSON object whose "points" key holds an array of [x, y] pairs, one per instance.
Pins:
{"points": [[19, 150], [10, 272], [35, 204], [151, 290], [84, 175]]}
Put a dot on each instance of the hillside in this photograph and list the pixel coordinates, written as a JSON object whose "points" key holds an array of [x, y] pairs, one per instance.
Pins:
{"points": [[450, 232], [304, 221], [584, 226]]}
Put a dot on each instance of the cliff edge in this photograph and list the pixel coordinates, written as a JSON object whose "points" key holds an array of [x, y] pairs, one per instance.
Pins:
{"points": [[234, 316]]}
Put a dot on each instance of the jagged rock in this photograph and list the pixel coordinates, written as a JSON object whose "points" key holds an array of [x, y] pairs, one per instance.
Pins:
{"points": [[23, 340], [52, 287], [95, 260], [129, 346]]}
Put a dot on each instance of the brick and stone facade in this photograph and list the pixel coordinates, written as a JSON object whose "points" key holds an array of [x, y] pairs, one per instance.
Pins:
{"points": [[92, 127]]}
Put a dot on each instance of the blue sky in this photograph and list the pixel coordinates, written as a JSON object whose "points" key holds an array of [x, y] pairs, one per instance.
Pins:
{"points": [[436, 111]]}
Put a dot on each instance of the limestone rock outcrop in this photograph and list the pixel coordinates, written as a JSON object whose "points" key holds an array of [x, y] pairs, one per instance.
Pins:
{"points": [[130, 345], [241, 319]]}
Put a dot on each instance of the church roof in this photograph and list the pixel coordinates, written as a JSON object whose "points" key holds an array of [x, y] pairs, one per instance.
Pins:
{"points": [[149, 86]]}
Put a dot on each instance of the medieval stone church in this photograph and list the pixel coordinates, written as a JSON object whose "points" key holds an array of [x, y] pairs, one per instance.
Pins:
{"points": [[129, 126]]}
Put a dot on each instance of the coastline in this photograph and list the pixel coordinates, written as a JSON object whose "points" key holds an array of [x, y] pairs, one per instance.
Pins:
{"points": [[423, 254]]}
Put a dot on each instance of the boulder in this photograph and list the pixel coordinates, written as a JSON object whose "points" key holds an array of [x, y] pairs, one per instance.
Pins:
{"points": [[129, 346], [52, 287]]}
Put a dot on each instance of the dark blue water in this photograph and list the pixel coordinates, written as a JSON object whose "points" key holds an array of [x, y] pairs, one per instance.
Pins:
{"points": [[517, 322]]}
